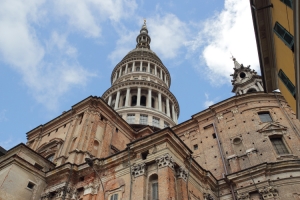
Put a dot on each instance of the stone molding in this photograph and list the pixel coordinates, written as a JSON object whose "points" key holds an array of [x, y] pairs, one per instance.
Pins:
{"points": [[165, 161], [138, 170], [71, 193], [182, 173], [268, 192]]}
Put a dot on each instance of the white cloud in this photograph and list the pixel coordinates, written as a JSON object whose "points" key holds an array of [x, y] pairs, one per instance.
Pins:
{"points": [[3, 116], [230, 31], [87, 15], [168, 34], [21, 48], [207, 102]]}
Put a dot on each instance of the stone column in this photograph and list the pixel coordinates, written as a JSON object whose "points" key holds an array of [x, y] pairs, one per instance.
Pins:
{"points": [[126, 69], [166, 178], [161, 77], [155, 70], [149, 99], [109, 100], [181, 183], [120, 72], [173, 112], [141, 66], [133, 67], [140, 181], [138, 99], [127, 97], [166, 79], [117, 100], [168, 107], [159, 102], [240, 92], [259, 86], [148, 70]]}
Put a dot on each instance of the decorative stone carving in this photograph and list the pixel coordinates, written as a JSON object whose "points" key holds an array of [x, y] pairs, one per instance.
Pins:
{"points": [[268, 192], [138, 170], [59, 193], [220, 116], [243, 196], [208, 196], [165, 161], [91, 188], [235, 110], [182, 173]]}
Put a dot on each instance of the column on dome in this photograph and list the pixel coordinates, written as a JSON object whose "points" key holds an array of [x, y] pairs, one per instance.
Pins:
{"points": [[133, 67], [148, 70], [141, 66], [173, 112], [149, 98], [126, 69], [240, 92], [155, 70], [117, 100], [120, 72], [109, 100], [166, 79], [161, 77], [127, 97], [260, 86], [159, 102], [168, 107], [138, 103]]}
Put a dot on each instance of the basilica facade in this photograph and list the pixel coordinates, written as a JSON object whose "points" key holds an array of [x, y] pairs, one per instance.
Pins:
{"points": [[127, 144]]}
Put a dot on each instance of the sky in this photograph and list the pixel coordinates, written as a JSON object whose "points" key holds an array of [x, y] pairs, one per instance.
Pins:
{"points": [[56, 53]]}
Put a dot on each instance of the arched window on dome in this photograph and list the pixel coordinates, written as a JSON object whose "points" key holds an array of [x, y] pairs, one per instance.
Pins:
{"points": [[153, 102], [113, 103], [143, 101], [144, 69], [133, 100], [124, 100], [137, 69]]}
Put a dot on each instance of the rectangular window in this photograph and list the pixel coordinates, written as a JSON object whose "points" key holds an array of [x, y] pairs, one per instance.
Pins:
{"points": [[114, 197], [144, 119], [30, 185], [286, 81], [131, 118], [154, 191], [289, 3], [166, 124], [195, 146], [279, 146], [265, 117], [284, 35], [155, 121]]}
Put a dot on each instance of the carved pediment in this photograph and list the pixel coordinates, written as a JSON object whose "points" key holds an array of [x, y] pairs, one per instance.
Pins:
{"points": [[272, 126]]}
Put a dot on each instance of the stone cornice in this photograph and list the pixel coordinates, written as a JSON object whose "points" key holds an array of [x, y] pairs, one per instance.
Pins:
{"points": [[147, 84]]}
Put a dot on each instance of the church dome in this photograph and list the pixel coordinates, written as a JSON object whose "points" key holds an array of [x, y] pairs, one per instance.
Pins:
{"points": [[140, 87]]}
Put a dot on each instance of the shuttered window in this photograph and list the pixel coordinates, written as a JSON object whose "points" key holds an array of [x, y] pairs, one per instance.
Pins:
{"points": [[286, 81], [289, 3], [284, 35]]}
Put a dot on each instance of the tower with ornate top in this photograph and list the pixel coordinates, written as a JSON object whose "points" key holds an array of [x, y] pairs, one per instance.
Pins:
{"points": [[140, 88]]}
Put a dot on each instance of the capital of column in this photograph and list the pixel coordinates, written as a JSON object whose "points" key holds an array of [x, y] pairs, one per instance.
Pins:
{"points": [[165, 161], [138, 170], [182, 173]]}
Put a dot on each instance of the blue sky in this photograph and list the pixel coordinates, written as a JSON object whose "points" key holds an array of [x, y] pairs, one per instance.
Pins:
{"points": [[54, 54]]}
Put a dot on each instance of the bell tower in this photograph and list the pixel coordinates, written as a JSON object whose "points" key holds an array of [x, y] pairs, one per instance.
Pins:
{"points": [[140, 90], [245, 80]]}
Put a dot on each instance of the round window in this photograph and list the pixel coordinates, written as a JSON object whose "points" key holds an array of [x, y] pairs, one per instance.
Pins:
{"points": [[242, 75]]}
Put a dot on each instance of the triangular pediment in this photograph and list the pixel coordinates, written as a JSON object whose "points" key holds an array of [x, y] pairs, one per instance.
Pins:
{"points": [[272, 126]]}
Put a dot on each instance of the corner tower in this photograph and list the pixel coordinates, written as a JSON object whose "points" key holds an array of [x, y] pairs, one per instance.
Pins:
{"points": [[245, 80], [140, 88]]}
